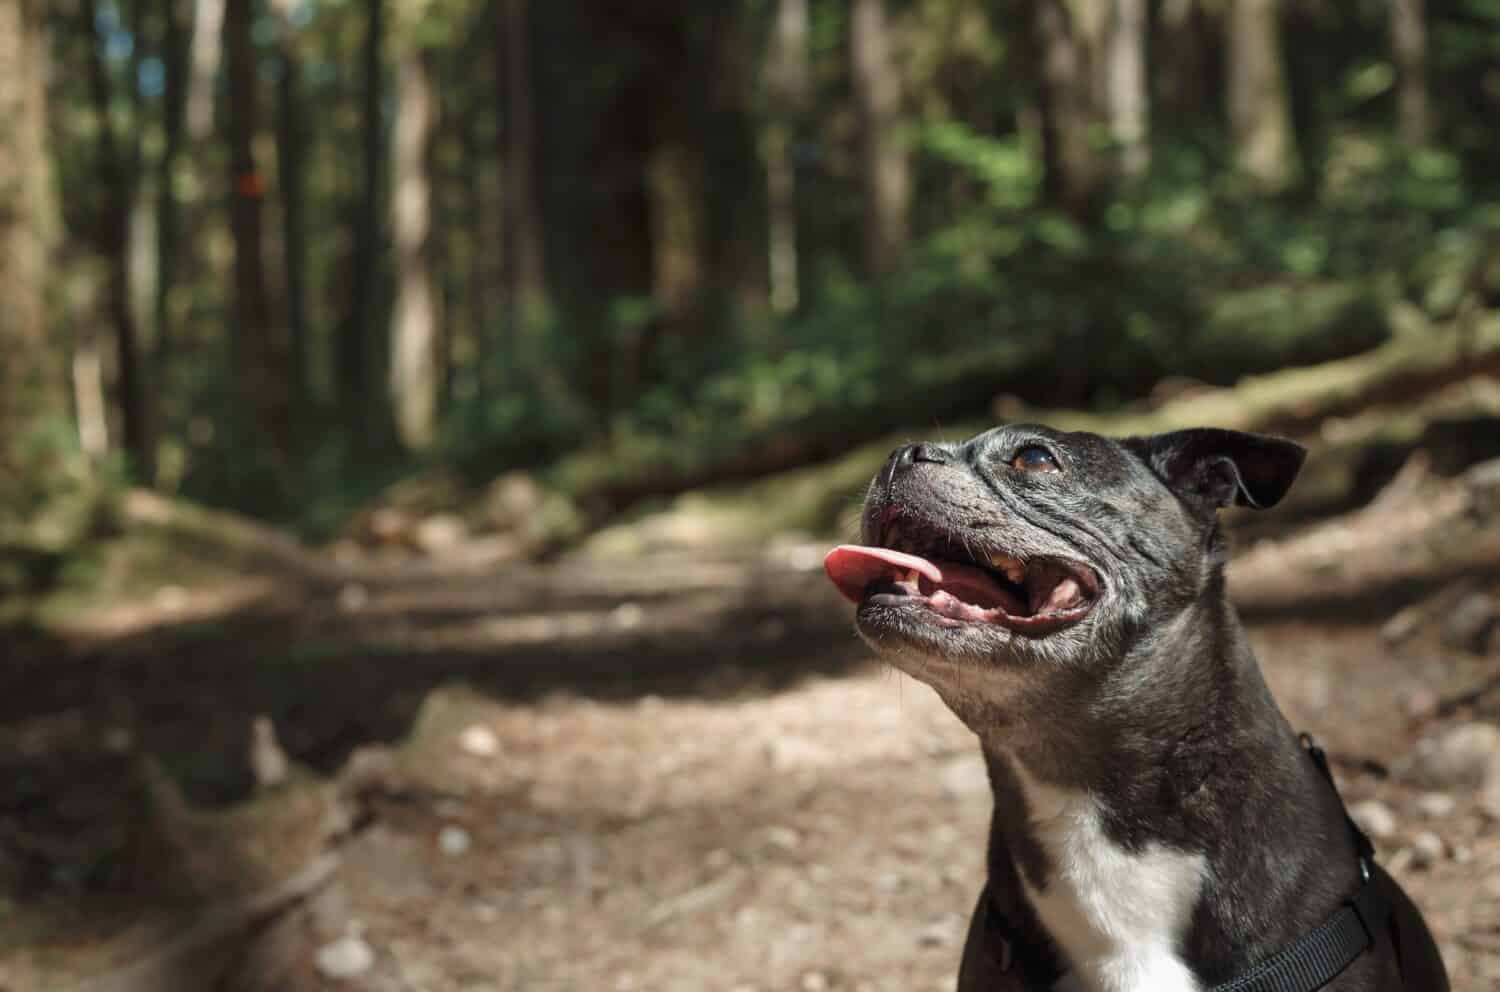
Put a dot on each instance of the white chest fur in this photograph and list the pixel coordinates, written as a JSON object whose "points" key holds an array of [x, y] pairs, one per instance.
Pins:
{"points": [[1118, 916]]}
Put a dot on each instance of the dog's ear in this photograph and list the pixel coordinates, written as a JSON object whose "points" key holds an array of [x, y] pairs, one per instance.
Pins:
{"points": [[1215, 468]]}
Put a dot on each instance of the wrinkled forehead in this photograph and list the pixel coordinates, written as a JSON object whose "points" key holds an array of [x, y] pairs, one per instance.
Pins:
{"points": [[1092, 466], [1084, 451], [1098, 477]]}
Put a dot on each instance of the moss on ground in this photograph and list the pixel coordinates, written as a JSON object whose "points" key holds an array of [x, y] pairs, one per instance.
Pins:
{"points": [[1402, 383]]}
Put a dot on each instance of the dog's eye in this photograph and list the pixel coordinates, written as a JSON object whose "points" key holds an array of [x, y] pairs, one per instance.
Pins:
{"points": [[1034, 459]]}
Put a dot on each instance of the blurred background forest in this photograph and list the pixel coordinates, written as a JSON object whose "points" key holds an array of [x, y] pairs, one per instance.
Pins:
{"points": [[421, 422], [272, 256]]}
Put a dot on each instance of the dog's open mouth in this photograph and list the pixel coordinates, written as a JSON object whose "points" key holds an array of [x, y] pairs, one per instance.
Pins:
{"points": [[963, 584]]}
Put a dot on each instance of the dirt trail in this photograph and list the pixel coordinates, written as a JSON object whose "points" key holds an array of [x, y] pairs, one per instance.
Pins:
{"points": [[676, 772]]}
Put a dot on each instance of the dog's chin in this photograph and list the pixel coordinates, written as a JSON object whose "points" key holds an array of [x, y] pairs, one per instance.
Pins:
{"points": [[909, 629], [902, 631]]}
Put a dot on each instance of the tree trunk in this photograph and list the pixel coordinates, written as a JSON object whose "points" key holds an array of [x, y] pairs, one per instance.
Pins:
{"points": [[1128, 96], [526, 297], [1071, 38], [355, 346], [479, 223], [462, 206], [1184, 83], [1260, 116], [499, 339], [31, 381], [1409, 50], [208, 30], [289, 174], [168, 236], [786, 85], [674, 183], [887, 170], [416, 338], [89, 405], [258, 346], [112, 239]]}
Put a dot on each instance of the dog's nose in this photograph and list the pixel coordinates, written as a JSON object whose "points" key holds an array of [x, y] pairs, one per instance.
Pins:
{"points": [[911, 454]]}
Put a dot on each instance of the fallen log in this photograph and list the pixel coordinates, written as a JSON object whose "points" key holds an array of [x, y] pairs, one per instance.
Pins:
{"points": [[1294, 401], [258, 545], [1413, 364]]}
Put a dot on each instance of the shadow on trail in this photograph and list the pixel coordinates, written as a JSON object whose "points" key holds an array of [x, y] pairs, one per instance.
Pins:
{"points": [[1371, 604], [79, 723], [187, 696]]}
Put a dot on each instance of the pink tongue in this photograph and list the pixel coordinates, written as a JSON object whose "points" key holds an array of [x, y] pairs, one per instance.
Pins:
{"points": [[852, 568]]}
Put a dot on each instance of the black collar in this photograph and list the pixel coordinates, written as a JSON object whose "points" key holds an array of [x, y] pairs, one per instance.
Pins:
{"points": [[1308, 963], [1318, 956]]}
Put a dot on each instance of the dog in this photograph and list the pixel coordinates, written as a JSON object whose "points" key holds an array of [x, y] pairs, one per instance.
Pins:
{"points": [[1158, 826]]}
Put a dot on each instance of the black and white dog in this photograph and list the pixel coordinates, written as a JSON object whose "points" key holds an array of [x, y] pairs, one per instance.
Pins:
{"points": [[1158, 826]]}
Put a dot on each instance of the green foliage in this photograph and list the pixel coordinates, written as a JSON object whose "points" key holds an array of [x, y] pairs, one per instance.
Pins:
{"points": [[1011, 297], [50, 508], [1009, 170], [431, 23], [610, 387], [56, 497]]}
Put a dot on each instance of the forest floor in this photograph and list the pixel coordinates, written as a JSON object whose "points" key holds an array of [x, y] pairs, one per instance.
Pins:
{"points": [[677, 770]]}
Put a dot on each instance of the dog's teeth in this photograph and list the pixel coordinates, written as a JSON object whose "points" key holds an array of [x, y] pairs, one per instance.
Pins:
{"points": [[1064, 595], [1011, 567]]}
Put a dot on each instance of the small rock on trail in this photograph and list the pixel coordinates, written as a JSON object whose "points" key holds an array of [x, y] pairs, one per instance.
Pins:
{"points": [[345, 958], [454, 841], [480, 741], [1464, 755], [1427, 849], [1374, 818], [1469, 622], [1436, 805]]}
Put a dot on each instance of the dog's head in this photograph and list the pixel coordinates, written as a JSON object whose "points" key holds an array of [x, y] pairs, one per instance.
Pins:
{"points": [[1027, 549]]}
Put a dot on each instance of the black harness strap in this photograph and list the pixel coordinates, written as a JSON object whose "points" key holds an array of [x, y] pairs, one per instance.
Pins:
{"points": [[1308, 963], [1317, 958]]}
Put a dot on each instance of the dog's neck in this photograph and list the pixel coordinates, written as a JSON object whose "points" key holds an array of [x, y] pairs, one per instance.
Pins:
{"points": [[1106, 818], [1118, 915]]}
